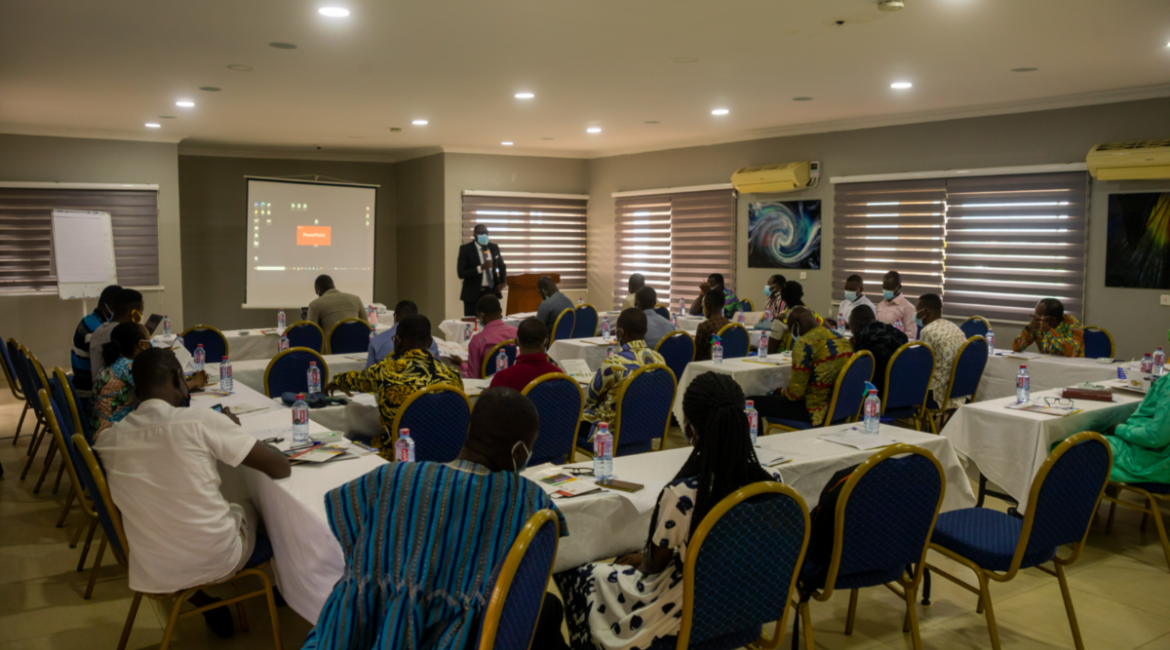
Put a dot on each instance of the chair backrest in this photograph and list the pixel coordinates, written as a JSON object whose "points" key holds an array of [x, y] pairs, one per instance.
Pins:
{"points": [[487, 368], [57, 396], [1098, 343], [288, 372], [349, 335], [886, 513], [735, 340], [560, 402], [70, 401], [35, 376], [975, 326], [10, 369], [438, 418], [75, 404], [215, 344], [746, 305], [563, 326], [663, 312], [742, 563], [585, 321], [677, 349], [60, 427], [20, 368], [517, 596], [849, 390], [643, 409], [1065, 494], [908, 377], [306, 334], [94, 477], [967, 371]]}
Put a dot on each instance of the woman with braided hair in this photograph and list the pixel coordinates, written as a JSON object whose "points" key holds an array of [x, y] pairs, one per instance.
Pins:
{"points": [[638, 599]]}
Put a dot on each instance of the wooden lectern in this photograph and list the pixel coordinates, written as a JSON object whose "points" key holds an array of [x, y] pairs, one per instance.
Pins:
{"points": [[523, 296]]}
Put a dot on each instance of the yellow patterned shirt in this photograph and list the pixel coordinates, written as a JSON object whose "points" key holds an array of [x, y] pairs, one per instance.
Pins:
{"points": [[817, 359], [394, 379], [601, 400]]}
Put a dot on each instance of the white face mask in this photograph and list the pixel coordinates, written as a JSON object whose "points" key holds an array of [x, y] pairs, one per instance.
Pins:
{"points": [[520, 467]]}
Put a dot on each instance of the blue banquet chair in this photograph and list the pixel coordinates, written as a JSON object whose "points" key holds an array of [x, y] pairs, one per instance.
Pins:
{"points": [[349, 335], [678, 350], [845, 400], [7, 350], [643, 410], [735, 340], [585, 321], [306, 334], [975, 326], [1098, 343], [966, 373], [438, 417], [908, 381], [560, 402], [563, 327], [215, 344], [488, 367], [509, 621], [288, 372]]}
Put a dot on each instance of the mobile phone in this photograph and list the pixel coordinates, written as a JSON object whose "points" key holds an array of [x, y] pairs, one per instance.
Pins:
{"points": [[622, 486], [218, 408], [152, 323]]}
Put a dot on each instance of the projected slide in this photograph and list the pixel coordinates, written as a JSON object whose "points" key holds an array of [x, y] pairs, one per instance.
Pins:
{"points": [[299, 230]]}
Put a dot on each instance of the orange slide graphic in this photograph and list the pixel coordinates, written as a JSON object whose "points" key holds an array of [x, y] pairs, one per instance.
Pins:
{"points": [[314, 235]]}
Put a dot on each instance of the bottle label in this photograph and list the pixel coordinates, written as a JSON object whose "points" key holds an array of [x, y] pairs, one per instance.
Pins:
{"points": [[602, 446], [300, 416], [404, 454], [1022, 381], [871, 408]]}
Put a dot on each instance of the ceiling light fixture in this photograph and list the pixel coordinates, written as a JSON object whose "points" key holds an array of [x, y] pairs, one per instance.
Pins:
{"points": [[683, 59], [524, 95], [153, 125], [166, 117], [420, 122], [651, 122], [333, 12], [1025, 69], [593, 129], [209, 89], [506, 143], [901, 85], [240, 68], [282, 46], [802, 99], [720, 111], [185, 103]]}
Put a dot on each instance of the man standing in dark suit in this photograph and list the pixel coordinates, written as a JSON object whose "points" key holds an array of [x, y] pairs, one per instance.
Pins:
{"points": [[482, 270]]}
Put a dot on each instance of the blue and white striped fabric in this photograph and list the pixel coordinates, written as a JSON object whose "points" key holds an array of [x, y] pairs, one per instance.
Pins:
{"points": [[423, 543]]}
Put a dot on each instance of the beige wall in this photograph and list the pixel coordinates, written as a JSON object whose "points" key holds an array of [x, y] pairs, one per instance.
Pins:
{"points": [[214, 203], [421, 253], [1058, 136], [46, 323]]}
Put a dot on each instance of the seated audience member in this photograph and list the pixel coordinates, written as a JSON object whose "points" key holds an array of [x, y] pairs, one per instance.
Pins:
{"points": [[944, 338], [656, 326], [879, 339], [710, 327], [854, 297], [494, 331], [793, 296], [894, 308], [601, 400], [818, 356], [714, 283], [332, 306], [410, 369], [79, 355], [776, 306], [1053, 331], [127, 306], [113, 389], [634, 602], [1141, 445], [160, 462], [637, 281], [434, 537], [531, 362], [554, 302], [382, 345]]}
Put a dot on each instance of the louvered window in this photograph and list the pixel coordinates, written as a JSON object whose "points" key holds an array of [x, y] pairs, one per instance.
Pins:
{"points": [[535, 233]]}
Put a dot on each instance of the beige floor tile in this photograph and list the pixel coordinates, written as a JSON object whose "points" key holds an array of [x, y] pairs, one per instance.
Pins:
{"points": [[1160, 643], [1104, 623], [1129, 582], [969, 632]]}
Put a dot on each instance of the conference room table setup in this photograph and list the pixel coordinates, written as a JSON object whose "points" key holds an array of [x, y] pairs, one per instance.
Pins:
{"points": [[690, 324], [754, 375], [360, 417], [592, 350], [1046, 371], [250, 372], [253, 344]]}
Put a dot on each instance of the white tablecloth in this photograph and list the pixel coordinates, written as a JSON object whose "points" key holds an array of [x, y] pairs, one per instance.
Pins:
{"points": [[608, 524], [754, 376], [592, 350], [1046, 372], [251, 372], [1009, 445], [361, 416], [690, 324], [246, 345]]}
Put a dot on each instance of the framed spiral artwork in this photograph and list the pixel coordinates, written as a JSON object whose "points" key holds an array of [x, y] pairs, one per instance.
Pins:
{"points": [[784, 235], [1138, 255]]}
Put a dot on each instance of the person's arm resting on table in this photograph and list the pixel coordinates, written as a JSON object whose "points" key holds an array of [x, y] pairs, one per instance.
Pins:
{"points": [[233, 446]]}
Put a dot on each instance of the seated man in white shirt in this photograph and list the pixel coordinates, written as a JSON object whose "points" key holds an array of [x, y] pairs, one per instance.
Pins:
{"points": [[854, 297], [160, 462]]}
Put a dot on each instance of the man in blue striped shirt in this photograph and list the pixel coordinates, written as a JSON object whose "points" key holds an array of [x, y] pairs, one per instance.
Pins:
{"points": [[79, 355]]}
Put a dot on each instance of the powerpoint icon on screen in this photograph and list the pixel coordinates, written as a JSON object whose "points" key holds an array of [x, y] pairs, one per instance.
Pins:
{"points": [[314, 235]]}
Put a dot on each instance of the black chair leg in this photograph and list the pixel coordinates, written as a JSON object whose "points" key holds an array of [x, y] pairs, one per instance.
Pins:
{"points": [[926, 587], [982, 490]]}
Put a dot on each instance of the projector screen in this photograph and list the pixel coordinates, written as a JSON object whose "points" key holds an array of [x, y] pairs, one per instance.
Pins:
{"points": [[299, 230]]}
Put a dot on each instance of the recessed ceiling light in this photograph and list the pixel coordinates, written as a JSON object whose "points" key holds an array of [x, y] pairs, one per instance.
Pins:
{"points": [[524, 95], [153, 125], [210, 89], [683, 59], [333, 12], [593, 129], [282, 46], [506, 143], [1024, 69], [901, 85], [720, 111], [420, 122], [651, 122], [802, 99], [185, 103], [166, 117], [240, 68]]}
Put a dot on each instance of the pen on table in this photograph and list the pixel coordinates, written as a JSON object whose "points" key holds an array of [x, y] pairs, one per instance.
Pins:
{"points": [[300, 447]]}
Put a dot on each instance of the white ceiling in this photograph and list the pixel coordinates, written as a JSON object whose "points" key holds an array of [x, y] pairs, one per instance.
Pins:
{"points": [[103, 69]]}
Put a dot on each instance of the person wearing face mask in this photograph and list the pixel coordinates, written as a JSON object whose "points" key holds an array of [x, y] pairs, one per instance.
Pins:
{"points": [[126, 307], [494, 331], [780, 339], [113, 388], [776, 305], [944, 338], [894, 307], [395, 378], [332, 306], [382, 345], [818, 355], [160, 462], [79, 357], [481, 268], [635, 601], [436, 535], [601, 399], [554, 302], [854, 297]]}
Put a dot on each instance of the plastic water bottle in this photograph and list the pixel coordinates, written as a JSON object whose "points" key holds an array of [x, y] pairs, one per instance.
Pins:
{"points": [[990, 342], [404, 447], [872, 409], [739, 317], [753, 417], [898, 325], [1023, 386], [674, 321], [200, 357], [603, 454], [763, 345], [609, 351], [300, 413], [314, 378], [225, 375], [605, 327], [682, 306], [280, 320], [466, 332], [166, 325], [717, 351], [1159, 360], [372, 316], [580, 301], [284, 344], [501, 361], [1147, 364]]}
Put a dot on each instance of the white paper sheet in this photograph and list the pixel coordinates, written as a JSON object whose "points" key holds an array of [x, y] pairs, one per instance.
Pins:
{"points": [[858, 439]]}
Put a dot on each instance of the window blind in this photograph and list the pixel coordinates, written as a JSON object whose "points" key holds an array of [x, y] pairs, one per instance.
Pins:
{"points": [[642, 236], [26, 234], [535, 235]]}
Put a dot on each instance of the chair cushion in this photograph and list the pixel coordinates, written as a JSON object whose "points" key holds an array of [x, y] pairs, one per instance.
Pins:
{"points": [[725, 642], [791, 424], [986, 537], [1152, 488], [812, 576]]}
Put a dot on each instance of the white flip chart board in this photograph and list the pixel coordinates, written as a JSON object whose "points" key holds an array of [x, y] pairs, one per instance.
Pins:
{"points": [[83, 253]]}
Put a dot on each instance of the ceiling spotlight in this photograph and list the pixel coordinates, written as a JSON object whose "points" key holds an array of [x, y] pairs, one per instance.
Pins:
{"points": [[802, 99], [153, 125], [720, 111], [901, 85], [185, 103], [240, 68], [524, 95], [282, 46], [651, 122], [333, 12], [420, 122], [593, 129], [209, 89], [891, 5], [506, 144]]}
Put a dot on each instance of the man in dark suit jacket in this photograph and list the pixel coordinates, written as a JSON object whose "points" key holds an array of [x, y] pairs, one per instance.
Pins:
{"points": [[481, 268]]}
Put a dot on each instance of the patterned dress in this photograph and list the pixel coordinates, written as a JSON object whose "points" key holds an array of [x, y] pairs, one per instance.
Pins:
{"points": [[394, 379], [113, 396], [945, 338], [817, 359], [1066, 339], [601, 401], [423, 543]]}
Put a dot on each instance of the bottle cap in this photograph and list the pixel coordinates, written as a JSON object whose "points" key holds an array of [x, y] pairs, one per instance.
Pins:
{"points": [[751, 403], [603, 425], [404, 433], [1023, 367], [873, 391], [300, 396], [223, 359], [199, 345], [312, 364]]}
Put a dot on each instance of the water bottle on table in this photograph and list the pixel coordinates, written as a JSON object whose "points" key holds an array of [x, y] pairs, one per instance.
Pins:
{"points": [[605, 327], [609, 351], [404, 447], [501, 361], [1159, 360], [580, 301], [717, 351], [739, 317], [166, 324], [314, 378], [872, 410], [225, 375], [200, 357], [674, 321], [300, 415], [1023, 386], [372, 316], [990, 342], [898, 325], [753, 417], [682, 306], [603, 454], [284, 343], [763, 346], [1147, 364], [280, 320]]}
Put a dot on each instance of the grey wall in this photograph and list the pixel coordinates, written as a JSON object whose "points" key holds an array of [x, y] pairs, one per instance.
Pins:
{"points": [[421, 268], [46, 323], [214, 202], [1044, 137]]}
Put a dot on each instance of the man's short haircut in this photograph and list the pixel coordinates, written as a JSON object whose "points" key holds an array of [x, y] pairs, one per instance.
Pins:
{"points": [[716, 300], [109, 295], [415, 328], [405, 308], [895, 275], [323, 281], [489, 305], [633, 322], [503, 415], [716, 278], [861, 316], [154, 368], [125, 301], [1053, 308], [930, 301], [646, 296], [853, 278], [531, 333], [546, 282], [778, 279]]}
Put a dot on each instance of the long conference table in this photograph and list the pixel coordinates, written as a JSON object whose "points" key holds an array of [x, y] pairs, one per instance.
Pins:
{"points": [[255, 344]]}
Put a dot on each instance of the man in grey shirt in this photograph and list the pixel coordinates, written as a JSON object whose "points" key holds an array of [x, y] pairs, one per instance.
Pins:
{"points": [[332, 306], [656, 326], [554, 303], [127, 306]]}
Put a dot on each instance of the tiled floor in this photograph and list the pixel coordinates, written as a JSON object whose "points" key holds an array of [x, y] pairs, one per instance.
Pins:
{"points": [[1121, 588]]}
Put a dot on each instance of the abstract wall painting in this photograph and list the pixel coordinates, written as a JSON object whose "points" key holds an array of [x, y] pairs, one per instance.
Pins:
{"points": [[1138, 254], [784, 235]]}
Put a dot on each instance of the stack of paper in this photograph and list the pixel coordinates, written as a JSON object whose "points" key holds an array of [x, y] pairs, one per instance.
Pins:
{"points": [[560, 484], [859, 439]]}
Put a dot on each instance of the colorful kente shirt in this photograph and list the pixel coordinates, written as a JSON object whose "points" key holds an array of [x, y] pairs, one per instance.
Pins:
{"points": [[817, 359], [113, 396], [1066, 339], [601, 402], [780, 328]]}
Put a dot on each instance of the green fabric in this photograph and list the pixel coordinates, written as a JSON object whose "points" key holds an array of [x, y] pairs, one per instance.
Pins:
{"points": [[1141, 446]]}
